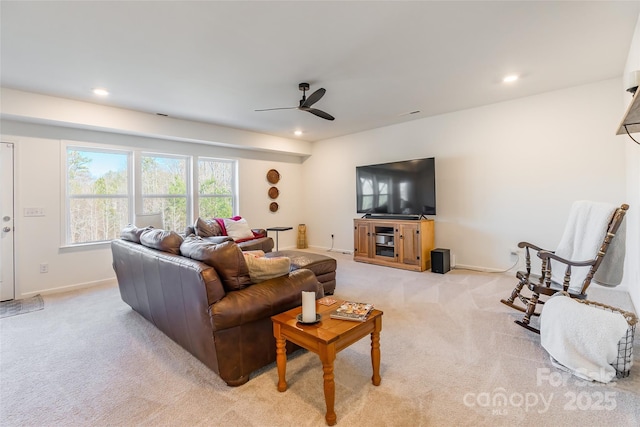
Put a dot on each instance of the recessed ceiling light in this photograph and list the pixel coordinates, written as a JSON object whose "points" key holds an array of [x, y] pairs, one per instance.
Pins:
{"points": [[100, 92], [510, 78], [297, 133]]}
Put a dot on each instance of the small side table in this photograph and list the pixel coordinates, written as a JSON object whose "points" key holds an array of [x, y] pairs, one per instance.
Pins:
{"points": [[277, 230], [325, 338]]}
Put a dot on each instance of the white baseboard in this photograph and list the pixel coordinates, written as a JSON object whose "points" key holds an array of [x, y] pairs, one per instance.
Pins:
{"points": [[483, 269], [335, 250], [67, 288]]}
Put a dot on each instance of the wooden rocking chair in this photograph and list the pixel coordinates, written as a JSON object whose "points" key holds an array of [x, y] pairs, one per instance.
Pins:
{"points": [[548, 283]]}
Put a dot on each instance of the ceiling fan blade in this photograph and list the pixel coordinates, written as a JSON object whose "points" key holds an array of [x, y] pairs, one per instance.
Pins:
{"points": [[282, 108], [319, 113], [313, 98]]}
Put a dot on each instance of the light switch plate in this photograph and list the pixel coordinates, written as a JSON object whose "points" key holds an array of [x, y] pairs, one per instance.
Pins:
{"points": [[33, 211]]}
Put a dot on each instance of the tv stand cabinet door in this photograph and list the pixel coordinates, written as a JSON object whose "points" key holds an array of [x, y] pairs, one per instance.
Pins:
{"points": [[409, 244], [362, 239]]}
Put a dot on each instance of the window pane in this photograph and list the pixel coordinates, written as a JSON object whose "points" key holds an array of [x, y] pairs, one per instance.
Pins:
{"points": [[215, 177], [216, 207], [164, 175], [96, 172], [216, 188], [97, 219], [174, 210], [97, 193]]}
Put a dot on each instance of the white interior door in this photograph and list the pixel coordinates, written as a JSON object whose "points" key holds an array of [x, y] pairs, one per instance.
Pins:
{"points": [[7, 281]]}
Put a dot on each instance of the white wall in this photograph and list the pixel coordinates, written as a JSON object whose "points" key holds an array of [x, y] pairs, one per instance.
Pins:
{"points": [[38, 184], [632, 153], [504, 173]]}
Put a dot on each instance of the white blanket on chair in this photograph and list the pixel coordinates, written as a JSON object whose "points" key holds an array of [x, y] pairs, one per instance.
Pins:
{"points": [[582, 338], [581, 240], [612, 267]]}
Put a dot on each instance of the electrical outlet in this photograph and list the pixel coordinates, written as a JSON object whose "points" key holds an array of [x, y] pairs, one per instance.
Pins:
{"points": [[44, 267]]}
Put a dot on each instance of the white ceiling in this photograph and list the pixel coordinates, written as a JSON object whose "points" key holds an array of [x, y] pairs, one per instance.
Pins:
{"points": [[217, 62]]}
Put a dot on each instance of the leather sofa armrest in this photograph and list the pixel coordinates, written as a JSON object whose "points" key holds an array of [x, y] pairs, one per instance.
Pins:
{"points": [[264, 244], [264, 300]]}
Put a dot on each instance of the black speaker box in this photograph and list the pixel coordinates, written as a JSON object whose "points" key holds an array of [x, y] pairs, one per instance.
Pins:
{"points": [[440, 261]]}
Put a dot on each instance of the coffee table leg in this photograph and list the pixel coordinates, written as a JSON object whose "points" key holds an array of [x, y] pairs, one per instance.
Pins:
{"points": [[281, 358], [327, 356], [375, 351]]}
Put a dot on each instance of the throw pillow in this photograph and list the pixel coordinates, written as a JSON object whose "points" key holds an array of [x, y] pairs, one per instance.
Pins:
{"points": [[226, 258], [262, 268], [133, 233], [238, 230], [163, 240], [207, 228]]}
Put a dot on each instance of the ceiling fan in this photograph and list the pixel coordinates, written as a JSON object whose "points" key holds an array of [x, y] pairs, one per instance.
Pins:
{"points": [[306, 103]]}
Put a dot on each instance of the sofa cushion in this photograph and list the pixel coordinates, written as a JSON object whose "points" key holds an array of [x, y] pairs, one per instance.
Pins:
{"points": [[217, 239], [163, 240], [207, 228], [238, 230], [262, 268], [133, 233], [225, 257]]}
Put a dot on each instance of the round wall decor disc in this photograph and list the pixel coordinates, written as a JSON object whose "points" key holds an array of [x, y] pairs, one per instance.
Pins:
{"points": [[273, 207], [274, 192], [273, 176]]}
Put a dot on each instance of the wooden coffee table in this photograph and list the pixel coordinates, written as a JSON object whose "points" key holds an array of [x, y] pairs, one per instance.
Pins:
{"points": [[325, 338]]}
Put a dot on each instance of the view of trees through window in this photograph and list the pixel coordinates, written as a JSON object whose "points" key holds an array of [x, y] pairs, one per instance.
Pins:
{"points": [[164, 189], [216, 182], [101, 198], [98, 194]]}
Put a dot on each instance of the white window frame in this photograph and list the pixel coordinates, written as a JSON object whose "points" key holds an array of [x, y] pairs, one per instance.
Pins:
{"points": [[189, 195], [65, 234], [234, 184], [134, 185]]}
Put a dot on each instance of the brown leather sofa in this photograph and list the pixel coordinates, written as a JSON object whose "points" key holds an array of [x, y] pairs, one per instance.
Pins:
{"points": [[205, 301]]}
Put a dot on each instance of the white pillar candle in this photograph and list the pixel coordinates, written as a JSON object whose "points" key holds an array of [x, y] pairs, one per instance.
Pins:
{"points": [[308, 307]]}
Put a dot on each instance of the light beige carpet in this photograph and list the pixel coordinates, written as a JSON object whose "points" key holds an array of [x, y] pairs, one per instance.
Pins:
{"points": [[451, 355]]}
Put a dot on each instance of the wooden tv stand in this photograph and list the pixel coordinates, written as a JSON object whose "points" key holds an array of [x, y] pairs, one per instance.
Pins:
{"points": [[395, 243]]}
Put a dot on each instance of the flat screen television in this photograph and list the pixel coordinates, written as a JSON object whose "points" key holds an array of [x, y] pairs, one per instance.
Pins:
{"points": [[405, 188]]}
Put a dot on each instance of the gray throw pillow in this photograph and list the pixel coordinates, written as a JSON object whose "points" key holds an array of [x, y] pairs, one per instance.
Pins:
{"points": [[133, 233], [207, 228], [163, 240]]}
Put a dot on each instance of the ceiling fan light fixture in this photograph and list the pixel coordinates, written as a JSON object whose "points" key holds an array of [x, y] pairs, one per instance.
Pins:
{"points": [[297, 133], [510, 78]]}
